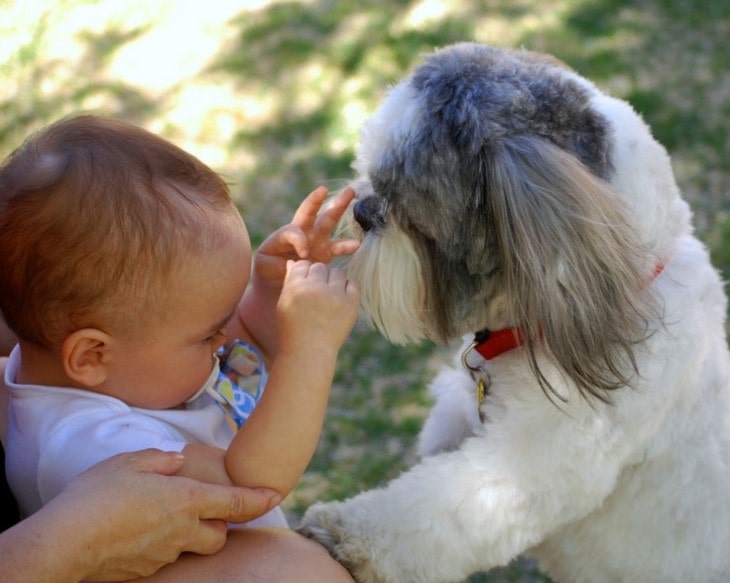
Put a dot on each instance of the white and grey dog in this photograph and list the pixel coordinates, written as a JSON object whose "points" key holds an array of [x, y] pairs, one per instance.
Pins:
{"points": [[499, 191]]}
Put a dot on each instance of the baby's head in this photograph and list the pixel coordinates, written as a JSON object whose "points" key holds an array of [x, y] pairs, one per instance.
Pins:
{"points": [[100, 223]]}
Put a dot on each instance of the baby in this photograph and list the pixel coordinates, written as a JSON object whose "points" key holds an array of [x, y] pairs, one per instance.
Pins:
{"points": [[126, 275]]}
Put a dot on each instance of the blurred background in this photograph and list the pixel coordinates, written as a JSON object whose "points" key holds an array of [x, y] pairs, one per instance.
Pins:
{"points": [[271, 94]]}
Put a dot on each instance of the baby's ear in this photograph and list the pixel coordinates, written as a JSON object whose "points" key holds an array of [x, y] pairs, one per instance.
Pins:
{"points": [[85, 356]]}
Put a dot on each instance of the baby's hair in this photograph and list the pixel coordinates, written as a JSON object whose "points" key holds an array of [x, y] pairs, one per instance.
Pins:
{"points": [[93, 212]]}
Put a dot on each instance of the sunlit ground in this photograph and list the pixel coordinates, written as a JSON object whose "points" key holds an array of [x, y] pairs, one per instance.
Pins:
{"points": [[272, 94], [96, 55]]}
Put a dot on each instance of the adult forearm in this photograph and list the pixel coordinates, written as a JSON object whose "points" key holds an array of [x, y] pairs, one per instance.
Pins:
{"points": [[45, 547]]}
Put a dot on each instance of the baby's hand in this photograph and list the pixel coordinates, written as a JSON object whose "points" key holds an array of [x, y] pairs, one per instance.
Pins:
{"points": [[317, 308], [308, 236]]}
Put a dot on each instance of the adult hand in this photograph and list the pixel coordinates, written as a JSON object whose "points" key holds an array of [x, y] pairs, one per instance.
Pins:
{"points": [[129, 515]]}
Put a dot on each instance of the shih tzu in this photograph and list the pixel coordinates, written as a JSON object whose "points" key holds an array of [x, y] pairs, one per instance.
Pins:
{"points": [[586, 422]]}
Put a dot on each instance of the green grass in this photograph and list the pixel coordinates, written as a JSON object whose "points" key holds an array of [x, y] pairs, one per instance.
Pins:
{"points": [[276, 105]]}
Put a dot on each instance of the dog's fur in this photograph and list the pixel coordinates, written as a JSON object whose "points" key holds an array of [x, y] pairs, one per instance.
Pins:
{"points": [[499, 189]]}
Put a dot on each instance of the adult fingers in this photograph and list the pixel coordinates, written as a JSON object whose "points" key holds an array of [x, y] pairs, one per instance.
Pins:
{"points": [[150, 461], [234, 504], [208, 538]]}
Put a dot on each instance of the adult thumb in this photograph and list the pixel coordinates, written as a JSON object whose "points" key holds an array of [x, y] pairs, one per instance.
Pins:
{"points": [[237, 504]]}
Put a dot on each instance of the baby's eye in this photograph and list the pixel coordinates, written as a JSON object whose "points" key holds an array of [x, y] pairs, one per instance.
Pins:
{"points": [[215, 337]]}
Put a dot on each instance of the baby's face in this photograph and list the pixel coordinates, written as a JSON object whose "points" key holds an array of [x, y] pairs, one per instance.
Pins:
{"points": [[170, 359]]}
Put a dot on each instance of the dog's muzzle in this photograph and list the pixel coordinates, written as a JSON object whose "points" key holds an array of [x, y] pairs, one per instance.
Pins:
{"points": [[369, 213]]}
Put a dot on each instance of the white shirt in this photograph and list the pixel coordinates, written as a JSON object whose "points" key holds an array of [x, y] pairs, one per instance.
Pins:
{"points": [[55, 433]]}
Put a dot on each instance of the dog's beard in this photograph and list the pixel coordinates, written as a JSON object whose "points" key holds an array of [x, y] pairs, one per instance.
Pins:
{"points": [[389, 272]]}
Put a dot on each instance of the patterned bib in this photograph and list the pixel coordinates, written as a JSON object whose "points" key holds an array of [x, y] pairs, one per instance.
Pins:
{"points": [[237, 381]]}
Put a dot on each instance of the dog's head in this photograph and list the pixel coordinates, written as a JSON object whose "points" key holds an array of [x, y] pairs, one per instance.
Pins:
{"points": [[498, 188]]}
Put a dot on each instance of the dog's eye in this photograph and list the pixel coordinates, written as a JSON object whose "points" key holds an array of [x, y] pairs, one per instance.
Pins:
{"points": [[369, 213]]}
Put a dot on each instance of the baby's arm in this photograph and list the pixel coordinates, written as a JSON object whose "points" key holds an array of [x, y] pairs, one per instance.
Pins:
{"points": [[300, 340], [308, 236], [315, 313]]}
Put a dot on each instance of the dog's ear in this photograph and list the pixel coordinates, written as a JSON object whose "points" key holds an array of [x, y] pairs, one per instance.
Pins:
{"points": [[575, 268]]}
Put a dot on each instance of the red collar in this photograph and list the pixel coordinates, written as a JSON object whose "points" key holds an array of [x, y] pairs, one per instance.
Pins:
{"points": [[492, 343]]}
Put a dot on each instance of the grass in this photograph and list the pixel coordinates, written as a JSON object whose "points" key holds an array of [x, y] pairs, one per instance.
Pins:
{"points": [[272, 94]]}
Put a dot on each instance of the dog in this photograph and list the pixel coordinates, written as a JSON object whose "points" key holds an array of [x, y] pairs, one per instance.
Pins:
{"points": [[504, 200]]}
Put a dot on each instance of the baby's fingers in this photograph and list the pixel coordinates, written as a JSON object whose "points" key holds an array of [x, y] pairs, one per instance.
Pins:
{"points": [[344, 246], [306, 214], [328, 219], [296, 269], [339, 280], [289, 240]]}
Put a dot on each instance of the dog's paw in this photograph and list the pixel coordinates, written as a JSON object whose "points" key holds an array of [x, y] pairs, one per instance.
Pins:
{"points": [[322, 526], [325, 523]]}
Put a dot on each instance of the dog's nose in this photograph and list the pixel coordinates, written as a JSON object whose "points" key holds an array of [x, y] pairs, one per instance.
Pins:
{"points": [[368, 213]]}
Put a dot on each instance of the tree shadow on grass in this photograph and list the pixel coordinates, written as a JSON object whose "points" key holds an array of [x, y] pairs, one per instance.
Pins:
{"points": [[45, 91]]}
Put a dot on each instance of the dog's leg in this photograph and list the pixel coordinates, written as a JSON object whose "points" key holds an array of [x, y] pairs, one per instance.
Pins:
{"points": [[454, 416], [480, 506]]}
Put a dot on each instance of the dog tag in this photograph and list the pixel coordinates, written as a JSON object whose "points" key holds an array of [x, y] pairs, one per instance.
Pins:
{"points": [[477, 373], [482, 389]]}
